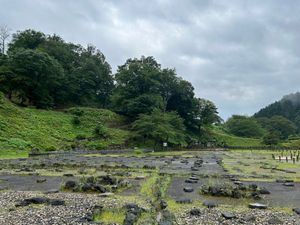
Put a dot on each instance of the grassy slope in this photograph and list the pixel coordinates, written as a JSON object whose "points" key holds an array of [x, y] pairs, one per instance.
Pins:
{"points": [[24, 128], [232, 140]]}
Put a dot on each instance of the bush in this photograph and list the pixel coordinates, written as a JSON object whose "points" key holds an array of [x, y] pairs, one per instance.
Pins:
{"points": [[77, 112], [76, 120], [100, 131], [138, 152], [50, 149], [81, 137]]}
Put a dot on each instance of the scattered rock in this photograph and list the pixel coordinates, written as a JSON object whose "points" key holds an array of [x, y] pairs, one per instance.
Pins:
{"points": [[264, 191], [56, 202], [140, 177], [106, 194], [191, 181], [188, 189], [297, 210], [70, 184], [228, 216], [195, 212], [42, 180], [289, 184], [163, 204], [51, 191], [257, 206], [68, 175], [184, 201], [210, 204]]}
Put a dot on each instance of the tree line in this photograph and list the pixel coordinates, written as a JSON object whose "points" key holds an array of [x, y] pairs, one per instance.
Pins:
{"points": [[47, 72]]}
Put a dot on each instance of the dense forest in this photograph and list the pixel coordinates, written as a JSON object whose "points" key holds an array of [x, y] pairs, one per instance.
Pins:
{"points": [[46, 72], [276, 122]]}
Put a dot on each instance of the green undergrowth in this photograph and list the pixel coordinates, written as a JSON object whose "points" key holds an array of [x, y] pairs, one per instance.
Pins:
{"points": [[22, 129], [112, 216], [231, 140]]}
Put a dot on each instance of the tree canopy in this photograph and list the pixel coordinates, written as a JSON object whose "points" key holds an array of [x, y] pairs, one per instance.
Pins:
{"points": [[160, 127], [244, 126], [45, 71]]}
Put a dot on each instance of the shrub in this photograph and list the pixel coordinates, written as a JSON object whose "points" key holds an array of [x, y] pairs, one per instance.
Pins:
{"points": [[50, 149], [81, 137], [77, 112], [100, 131], [138, 152], [76, 120]]}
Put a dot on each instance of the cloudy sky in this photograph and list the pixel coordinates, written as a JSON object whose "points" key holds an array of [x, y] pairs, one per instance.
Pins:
{"points": [[240, 54]]}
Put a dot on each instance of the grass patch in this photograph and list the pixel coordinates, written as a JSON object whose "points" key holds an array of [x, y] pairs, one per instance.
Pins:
{"points": [[115, 216]]}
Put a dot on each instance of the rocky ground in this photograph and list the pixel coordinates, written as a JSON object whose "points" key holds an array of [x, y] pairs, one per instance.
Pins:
{"points": [[180, 179], [78, 206]]}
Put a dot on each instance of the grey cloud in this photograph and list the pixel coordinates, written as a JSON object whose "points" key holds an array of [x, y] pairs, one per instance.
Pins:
{"points": [[241, 54]]}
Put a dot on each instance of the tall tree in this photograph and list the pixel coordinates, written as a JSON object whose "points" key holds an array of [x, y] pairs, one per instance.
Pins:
{"points": [[38, 77], [4, 34], [160, 127], [28, 39]]}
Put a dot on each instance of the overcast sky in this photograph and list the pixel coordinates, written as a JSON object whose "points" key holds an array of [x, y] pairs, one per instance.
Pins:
{"points": [[242, 55]]}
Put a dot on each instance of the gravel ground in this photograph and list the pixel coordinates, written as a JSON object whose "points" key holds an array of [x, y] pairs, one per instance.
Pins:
{"points": [[261, 217], [79, 205]]}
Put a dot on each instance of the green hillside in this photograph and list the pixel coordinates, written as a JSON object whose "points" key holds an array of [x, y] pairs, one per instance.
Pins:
{"points": [[24, 128], [230, 140]]}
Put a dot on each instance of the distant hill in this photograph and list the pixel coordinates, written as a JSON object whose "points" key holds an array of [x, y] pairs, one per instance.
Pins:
{"points": [[288, 107]]}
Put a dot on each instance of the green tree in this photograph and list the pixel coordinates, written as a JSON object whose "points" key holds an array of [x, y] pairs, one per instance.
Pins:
{"points": [[38, 77], [28, 39], [160, 127], [272, 138], [281, 125], [244, 126], [138, 87]]}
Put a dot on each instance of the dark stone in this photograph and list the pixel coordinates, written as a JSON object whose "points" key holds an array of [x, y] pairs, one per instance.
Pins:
{"points": [[210, 204], [99, 188], [264, 191], [110, 180], [257, 206], [188, 189], [191, 181], [56, 202], [130, 218], [34, 200], [288, 184], [163, 204], [184, 201], [253, 187], [70, 184], [42, 180], [228, 216], [87, 187], [90, 180], [51, 191], [297, 210], [236, 194], [195, 212], [68, 175], [194, 178]]}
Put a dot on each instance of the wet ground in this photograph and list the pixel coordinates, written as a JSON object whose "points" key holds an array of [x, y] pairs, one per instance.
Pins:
{"points": [[206, 166]]}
